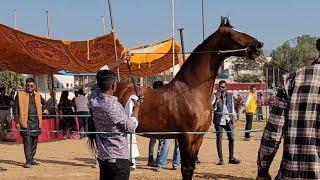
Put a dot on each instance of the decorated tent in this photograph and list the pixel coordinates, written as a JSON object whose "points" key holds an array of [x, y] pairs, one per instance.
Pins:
{"points": [[24, 53]]}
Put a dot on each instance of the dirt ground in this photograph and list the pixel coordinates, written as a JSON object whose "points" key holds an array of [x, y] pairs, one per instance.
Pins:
{"points": [[71, 159]]}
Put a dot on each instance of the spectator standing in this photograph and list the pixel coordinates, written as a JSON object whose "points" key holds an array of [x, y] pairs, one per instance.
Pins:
{"points": [[152, 142], [260, 104], [5, 105], [223, 119], [51, 104], [66, 111], [238, 105], [81, 102], [28, 105], [250, 108]]}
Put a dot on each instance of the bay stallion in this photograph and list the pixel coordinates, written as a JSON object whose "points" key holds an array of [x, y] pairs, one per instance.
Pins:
{"points": [[184, 105]]}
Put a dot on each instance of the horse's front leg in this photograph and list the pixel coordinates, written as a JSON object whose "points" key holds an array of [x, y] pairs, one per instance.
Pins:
{"points": [[189, 148]]}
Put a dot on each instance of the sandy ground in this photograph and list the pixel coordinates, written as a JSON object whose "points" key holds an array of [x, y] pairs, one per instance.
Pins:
{"points": [[71, 159]]}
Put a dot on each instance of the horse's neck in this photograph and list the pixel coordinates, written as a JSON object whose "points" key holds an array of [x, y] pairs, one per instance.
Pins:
{"points": [[200, 70]]}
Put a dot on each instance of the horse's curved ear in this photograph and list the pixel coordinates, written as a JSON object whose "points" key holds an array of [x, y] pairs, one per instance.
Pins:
{"points": [[318, 44], [228, 24], [225, 22]]}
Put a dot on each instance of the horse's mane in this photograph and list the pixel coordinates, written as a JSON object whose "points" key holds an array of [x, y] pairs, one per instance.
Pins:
{"points": [[191, 61]]}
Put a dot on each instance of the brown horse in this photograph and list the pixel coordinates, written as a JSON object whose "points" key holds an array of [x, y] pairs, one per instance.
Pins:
{"points": [[183, 105]]}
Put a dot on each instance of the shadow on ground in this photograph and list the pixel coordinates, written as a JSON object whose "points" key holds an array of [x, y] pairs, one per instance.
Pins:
{"points": [[67, 163], [219, 176], [11, 162]]}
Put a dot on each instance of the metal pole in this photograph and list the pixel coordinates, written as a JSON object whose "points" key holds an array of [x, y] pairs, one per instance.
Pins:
{"points": [[279, 79], [114, 37], [173, 46], [273, 79], [15, 27], [267, 92], [15, 18], [103, 25], [182, 43], [202, 15], [48, 28]]}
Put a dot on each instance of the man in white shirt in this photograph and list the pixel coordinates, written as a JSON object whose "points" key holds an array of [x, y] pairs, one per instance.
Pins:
{"points": [[81, 102], [223, 119]]}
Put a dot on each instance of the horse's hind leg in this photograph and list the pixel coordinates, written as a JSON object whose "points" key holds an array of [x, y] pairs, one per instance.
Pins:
{"points": [[189, 148]]}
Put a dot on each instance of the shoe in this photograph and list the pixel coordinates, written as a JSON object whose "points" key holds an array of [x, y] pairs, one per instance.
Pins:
{"points": [[234, 161], [175, 167], [220, 162], [151, 162], [197, 161], [3, 169], [35, 163], [247, 139], [27, 165]]}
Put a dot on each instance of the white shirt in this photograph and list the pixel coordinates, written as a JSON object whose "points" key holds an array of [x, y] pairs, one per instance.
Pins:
{"points": [[81, 103]]}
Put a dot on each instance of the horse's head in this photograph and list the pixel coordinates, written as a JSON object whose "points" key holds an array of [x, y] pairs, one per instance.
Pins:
{"points": [[234, 39]]}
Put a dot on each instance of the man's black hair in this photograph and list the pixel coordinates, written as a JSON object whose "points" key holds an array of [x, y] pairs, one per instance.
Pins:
{"points": [[81, 92], [222, 82], [30, 80], [157, 84], [105, 78]]}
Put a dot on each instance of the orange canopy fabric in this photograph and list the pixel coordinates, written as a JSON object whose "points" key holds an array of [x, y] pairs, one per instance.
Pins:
{"points": [[28, 54], [152, 59], [25, 53]]}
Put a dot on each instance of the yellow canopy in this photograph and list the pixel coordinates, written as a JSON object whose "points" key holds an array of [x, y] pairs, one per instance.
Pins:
{"points": [[152, 59]]}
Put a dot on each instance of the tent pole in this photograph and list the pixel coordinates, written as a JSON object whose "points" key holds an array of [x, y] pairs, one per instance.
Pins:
{"points": [[114, 37], [48, 28], [202, 16], [173, 45], [103, 25], [15, 27], [182, 43], [15, 18]]}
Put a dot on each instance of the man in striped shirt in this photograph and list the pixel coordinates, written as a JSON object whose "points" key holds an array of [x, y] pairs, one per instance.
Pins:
{"points": [[295, 116]]}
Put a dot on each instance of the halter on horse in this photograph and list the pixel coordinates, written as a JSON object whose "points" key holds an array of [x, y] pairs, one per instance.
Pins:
{"points": [[183, 105]]}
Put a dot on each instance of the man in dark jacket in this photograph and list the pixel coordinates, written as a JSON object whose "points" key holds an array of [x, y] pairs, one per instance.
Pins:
{"points": [[223, 106], [28, 109]]}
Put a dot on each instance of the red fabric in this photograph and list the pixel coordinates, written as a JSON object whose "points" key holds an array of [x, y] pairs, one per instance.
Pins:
{"points": [[245, 86], [47, 125]]}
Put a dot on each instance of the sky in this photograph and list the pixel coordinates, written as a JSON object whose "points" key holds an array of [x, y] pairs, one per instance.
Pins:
{"points": [[140, 22]]}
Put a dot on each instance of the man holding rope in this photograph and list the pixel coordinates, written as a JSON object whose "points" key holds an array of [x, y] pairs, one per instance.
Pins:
{"points": [[109, 116], [295, 116]]}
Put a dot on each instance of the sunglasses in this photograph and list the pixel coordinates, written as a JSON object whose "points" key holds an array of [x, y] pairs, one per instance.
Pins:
{"points": [[30, 86]]}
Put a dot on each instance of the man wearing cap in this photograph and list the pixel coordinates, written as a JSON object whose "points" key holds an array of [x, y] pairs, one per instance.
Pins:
{"points": [[28, 109]]}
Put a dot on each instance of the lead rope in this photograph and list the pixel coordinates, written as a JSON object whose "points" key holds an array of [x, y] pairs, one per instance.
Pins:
{"points": [[139, 98]]}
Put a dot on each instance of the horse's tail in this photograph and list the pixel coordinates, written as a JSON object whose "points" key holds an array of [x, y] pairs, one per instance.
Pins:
{"points": [[91, 136]]}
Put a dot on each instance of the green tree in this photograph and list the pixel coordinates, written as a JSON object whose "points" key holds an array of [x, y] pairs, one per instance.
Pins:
{"points": [[247, 78], [294, 53], [10, 79]]}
